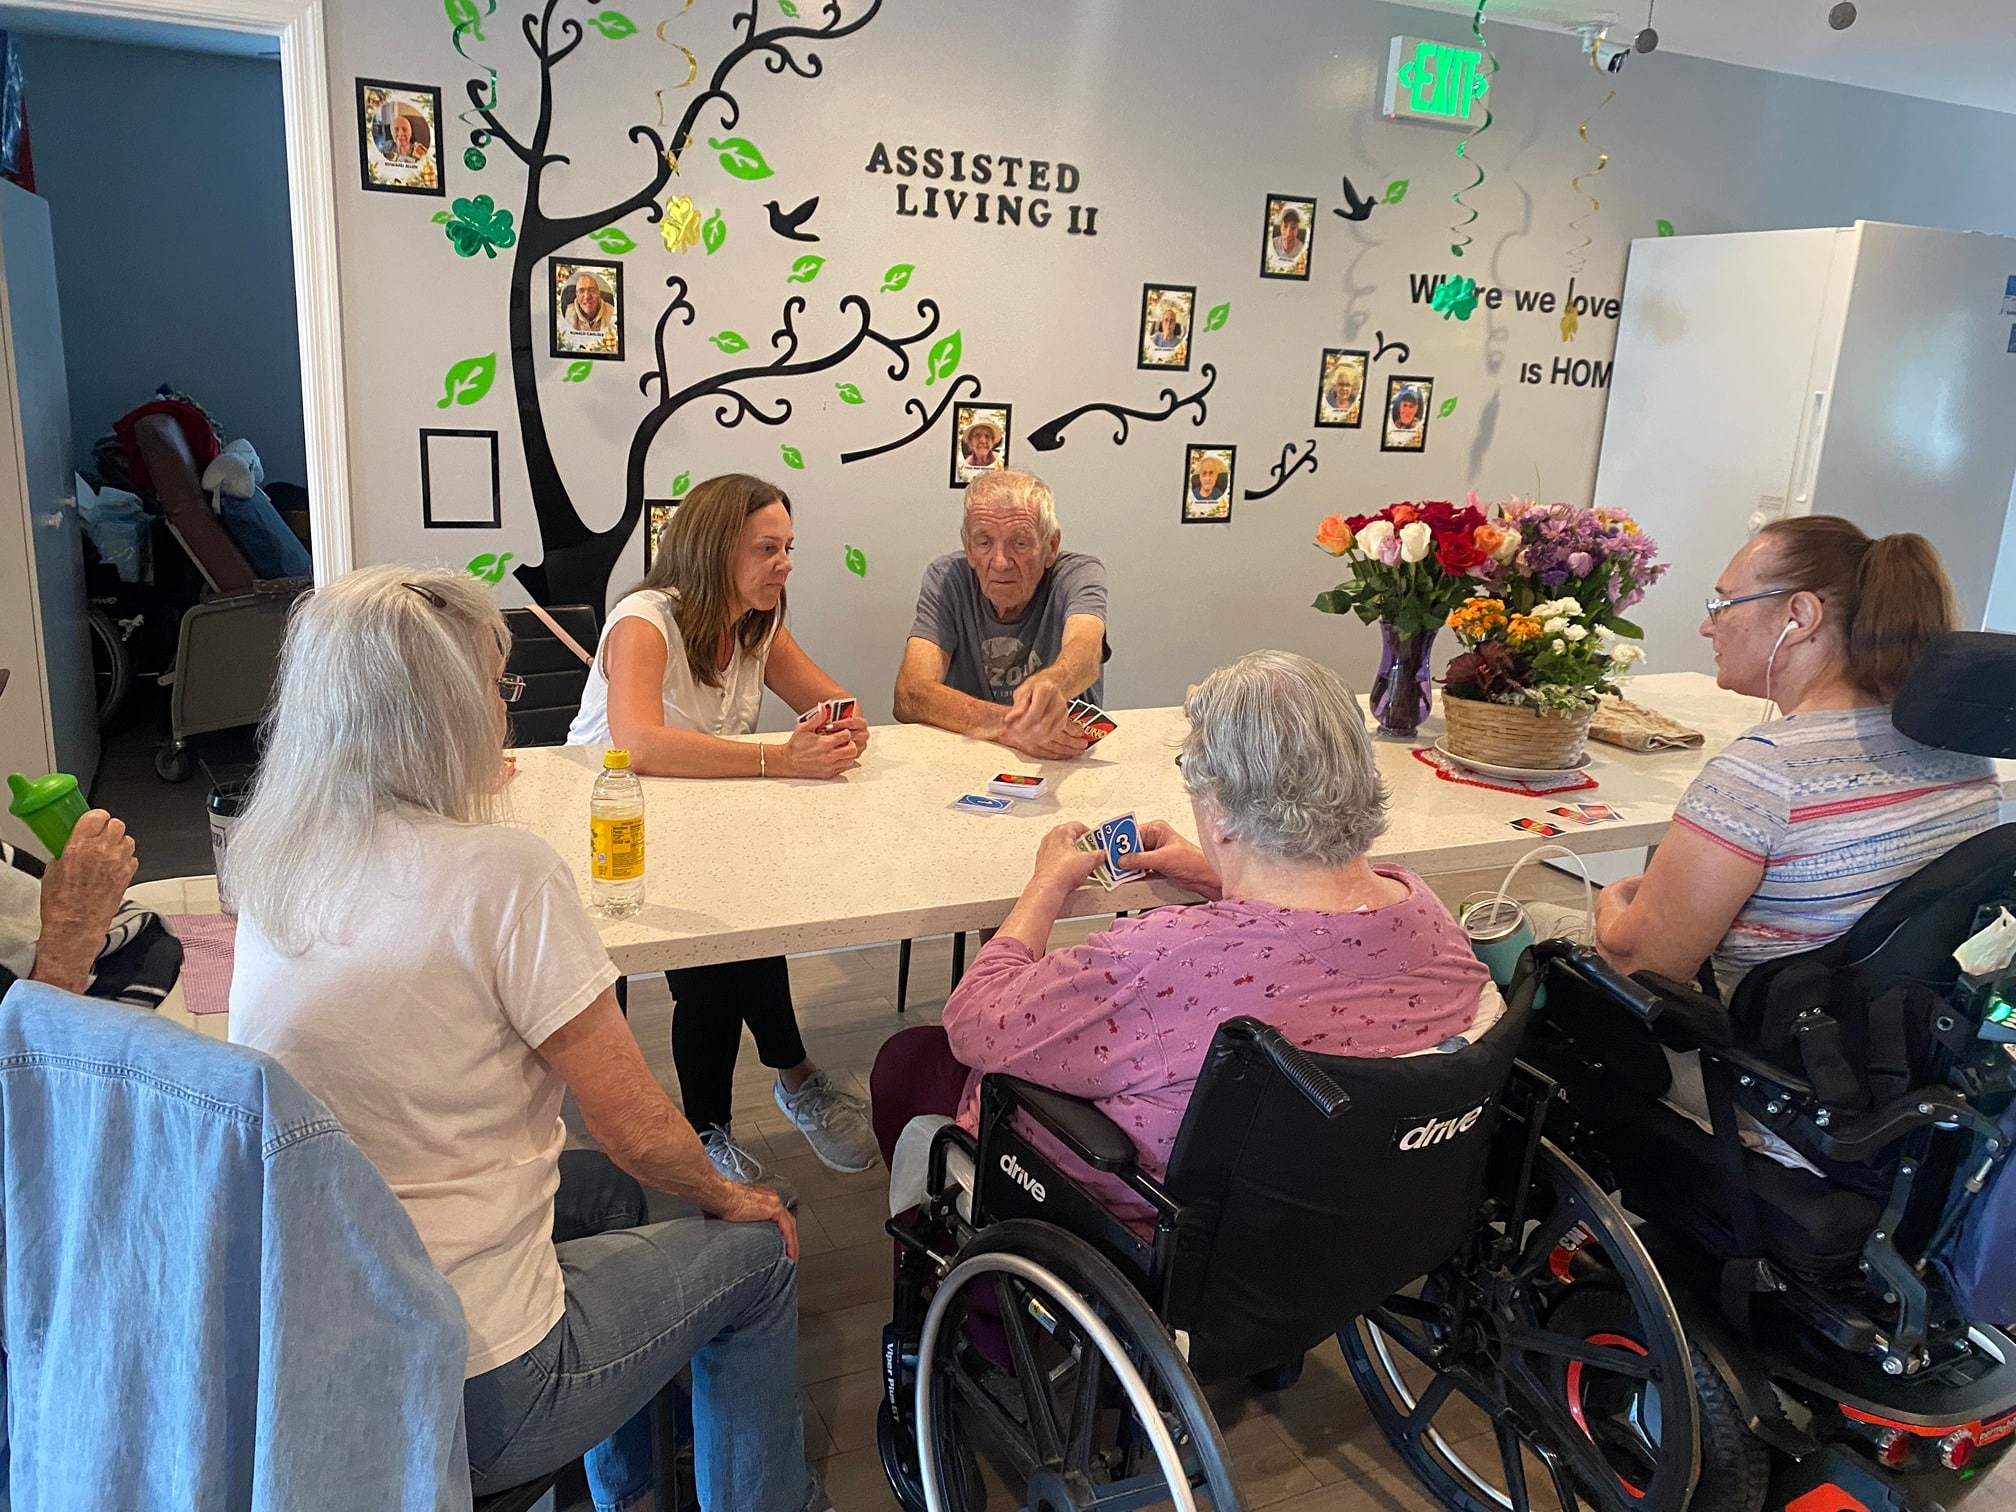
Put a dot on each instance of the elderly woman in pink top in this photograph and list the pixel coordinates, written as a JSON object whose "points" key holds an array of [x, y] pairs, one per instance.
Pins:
{"points": [[1298, 929]]}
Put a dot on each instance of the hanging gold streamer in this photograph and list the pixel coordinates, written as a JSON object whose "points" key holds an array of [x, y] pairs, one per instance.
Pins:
{"points": [[692, 63], [1577, 262]]}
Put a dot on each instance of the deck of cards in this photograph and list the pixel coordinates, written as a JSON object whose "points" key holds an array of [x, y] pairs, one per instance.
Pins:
{"points": [[827, 713], [1115, 841], [1569, 813], [1017, 785], [1090, 721]]}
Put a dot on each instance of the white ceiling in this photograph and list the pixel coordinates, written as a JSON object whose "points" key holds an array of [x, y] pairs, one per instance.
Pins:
{"points": [[34, 22], [1960, 50]]}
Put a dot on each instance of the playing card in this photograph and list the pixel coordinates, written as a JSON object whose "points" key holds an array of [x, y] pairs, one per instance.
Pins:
{"points": [[1103, 873], [838, 709], [1584, 813], [980, 803], [1093, 722], [1121, 838], [1538, 827]]}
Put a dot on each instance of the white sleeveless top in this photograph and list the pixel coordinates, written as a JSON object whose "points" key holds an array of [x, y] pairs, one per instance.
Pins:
{"points": [[690, 704]]}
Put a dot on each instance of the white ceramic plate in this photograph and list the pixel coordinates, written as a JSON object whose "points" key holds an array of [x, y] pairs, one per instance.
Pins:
{"points": [[1519, 774]]}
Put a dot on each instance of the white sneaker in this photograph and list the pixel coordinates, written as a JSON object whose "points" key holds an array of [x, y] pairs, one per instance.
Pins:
{"points": [[834, 1123], [739, 1166]]}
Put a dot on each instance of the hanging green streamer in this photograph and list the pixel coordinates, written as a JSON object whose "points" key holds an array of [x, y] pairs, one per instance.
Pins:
{"points": [[1482, 89], [468, 20], [473, 116]]}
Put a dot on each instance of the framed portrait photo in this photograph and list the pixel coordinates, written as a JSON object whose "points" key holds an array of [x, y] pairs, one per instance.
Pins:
{"points": [[399, 137], [979, 440], [1167, 312], [587, 309], [1286, 236], [1404, 427], [1340, 387], [657, 515], [1207, 484]]}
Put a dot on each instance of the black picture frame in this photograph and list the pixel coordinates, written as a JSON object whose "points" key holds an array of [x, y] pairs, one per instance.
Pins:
{"points": [[961, 423], [1307, 206], [1231, 483], [557, 293], [1322, 385], [1153, 294], [1395, 383], [427, 437], [368, 107]]}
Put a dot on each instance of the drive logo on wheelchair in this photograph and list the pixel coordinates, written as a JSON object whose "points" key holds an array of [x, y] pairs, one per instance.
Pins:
{"points": [[1412, 1134], [1015, 1172]]}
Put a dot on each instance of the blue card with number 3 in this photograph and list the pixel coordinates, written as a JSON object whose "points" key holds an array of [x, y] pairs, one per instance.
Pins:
{"points": [[1121, 839]]}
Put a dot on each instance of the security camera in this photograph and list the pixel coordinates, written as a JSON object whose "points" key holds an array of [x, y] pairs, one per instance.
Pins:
{"points": [[1609, 55]]}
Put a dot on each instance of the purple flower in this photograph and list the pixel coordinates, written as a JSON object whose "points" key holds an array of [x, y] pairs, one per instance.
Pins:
{"points": [[1580, 563]]}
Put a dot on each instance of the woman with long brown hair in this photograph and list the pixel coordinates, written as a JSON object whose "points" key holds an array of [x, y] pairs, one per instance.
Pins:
{"points": [[681, 667]]}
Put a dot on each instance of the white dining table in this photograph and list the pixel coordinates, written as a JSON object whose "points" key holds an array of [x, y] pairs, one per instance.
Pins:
{"points": [[740, 868]]}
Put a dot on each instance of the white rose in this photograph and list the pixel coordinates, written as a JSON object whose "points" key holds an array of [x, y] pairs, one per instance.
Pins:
{"points": [[1576, 632], [1624, 653], [1415, 539], [1553, 626], [1560, 646], [1373, 536]]}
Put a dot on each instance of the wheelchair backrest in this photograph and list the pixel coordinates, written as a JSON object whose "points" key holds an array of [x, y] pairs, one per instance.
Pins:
{"points": [[1291, 1223]]}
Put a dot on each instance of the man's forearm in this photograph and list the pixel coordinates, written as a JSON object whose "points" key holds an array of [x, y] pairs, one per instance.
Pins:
{"points": [[1073, 672], [658, 1146], [948, 709]]}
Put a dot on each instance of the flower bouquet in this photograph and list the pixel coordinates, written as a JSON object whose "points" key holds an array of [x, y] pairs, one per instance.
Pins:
{"points": [[1411, 565]]}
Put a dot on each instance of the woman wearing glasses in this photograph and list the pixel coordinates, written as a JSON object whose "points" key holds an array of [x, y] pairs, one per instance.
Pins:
{"points": [[1788, 836]]}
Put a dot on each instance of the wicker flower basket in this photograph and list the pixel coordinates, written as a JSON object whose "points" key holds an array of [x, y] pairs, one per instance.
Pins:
{"points": [[1513, 735]]}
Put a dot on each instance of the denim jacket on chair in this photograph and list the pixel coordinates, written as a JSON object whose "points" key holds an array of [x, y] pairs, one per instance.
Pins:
{"points": [[210, 1299]]}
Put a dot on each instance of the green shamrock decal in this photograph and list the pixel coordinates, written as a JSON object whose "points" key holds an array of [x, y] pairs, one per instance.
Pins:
{"points": [[793, 457], [856, 562], [488, 568], [741, 157], [894, 280], [614, 25], [714, 232], [944, 360], [1664, 227], [468, 381], [1217, 316], [1396, 191], [1448, 408], [849, 394], [474, 160], [729, 341], [478, 225], [680, 484], [578, 371], [806, 269], [1457, 297], [441, 217], [614, 240]]}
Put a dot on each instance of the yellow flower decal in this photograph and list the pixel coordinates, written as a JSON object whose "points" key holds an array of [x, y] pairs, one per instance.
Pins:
{"points": [[681, 224]]}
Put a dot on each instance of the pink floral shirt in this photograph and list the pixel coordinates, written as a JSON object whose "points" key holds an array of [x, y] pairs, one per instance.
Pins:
{"points": [[1125, 1019]]}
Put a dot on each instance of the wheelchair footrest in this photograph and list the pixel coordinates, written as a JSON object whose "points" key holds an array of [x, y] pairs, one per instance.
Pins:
{"points": [[1839, 1321]]}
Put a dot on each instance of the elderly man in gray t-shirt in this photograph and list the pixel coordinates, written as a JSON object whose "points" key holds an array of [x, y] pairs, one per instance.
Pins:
{"points": [[1009, 631]]}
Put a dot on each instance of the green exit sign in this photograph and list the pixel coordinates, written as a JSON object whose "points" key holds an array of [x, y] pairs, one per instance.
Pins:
{"points": [[1434, 82]]}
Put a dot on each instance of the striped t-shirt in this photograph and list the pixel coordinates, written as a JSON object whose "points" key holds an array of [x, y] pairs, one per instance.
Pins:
{"points": [[1839, 807]]}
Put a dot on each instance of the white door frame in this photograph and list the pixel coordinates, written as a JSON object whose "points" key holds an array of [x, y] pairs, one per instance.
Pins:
{"points": [[311, 198]]}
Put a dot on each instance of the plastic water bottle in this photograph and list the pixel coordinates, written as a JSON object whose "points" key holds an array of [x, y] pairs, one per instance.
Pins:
{"points": [[616, 837]]}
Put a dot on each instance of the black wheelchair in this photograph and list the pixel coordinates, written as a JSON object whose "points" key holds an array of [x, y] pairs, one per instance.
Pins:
{"points": [[1550, 1287]]}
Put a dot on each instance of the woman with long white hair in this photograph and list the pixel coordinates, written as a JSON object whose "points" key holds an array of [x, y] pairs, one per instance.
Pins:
{"points": [[431, 974]]}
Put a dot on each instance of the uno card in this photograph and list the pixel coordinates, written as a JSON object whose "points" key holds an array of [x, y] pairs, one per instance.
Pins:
{"points": [[980, 803], [1093, 722], [1538, 827], [1103, 873], [1584, 813], [838, 709], [1121, 838]]}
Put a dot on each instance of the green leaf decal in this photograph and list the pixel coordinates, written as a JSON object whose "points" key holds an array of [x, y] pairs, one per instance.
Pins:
{"points": [[789, 7], [894, 280], [714, 232], [468, 381], [441, 217], [1665, 227], [488, 568], [857, 563], [793, 457], [1448, 408], [680, 484], [1396, 191], [806, 269], [741, 157], [614, 240], [729, 341], [944, 360], [1217, 316], [474, 160], [479, 226], [614, 25], [578, 371], [849, 394]]}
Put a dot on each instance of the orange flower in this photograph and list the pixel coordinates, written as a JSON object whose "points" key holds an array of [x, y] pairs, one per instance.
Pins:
{"points": [[1403, 514], [1523, 628], [1491, 540], [1334, 536], [1477, 618]]}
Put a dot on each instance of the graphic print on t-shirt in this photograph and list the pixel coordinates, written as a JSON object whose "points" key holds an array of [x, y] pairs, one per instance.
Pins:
{"points": [[1008, 659]]}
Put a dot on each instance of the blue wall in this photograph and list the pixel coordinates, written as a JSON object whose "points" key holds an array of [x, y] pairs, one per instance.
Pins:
{"points": [[166, 176]]}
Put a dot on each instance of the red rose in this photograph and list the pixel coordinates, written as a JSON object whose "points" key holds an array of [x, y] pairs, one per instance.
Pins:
{"points": [[1458, 553], [1358, 522], [1438, 513]]}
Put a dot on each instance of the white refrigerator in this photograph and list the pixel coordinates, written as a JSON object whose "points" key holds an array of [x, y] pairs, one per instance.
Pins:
{"points": [[1868, 372]]}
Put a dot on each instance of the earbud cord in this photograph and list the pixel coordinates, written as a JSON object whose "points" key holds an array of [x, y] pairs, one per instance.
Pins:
{"points": [[1772, 663]]}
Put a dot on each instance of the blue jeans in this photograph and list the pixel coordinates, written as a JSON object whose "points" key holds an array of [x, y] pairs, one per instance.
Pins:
{"points": [[642, 1302]]}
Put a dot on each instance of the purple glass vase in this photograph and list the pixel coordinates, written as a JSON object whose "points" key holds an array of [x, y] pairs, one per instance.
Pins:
{"points": [[1400, 690]]}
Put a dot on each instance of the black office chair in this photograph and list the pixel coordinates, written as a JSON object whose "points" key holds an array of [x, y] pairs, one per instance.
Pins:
{"points": [[554, 675]]}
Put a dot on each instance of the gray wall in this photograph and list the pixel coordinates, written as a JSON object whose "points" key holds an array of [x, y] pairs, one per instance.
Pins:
{"points": [[1182, 116], [166, 176]]}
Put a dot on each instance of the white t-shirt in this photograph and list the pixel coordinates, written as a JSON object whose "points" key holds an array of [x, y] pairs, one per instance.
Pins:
{"points": [[418, 1027], [690, 704]]}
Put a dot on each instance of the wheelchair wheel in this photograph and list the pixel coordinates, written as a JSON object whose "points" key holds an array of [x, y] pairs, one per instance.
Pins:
{"points": [[1466, 1377], [1039, 1355]]}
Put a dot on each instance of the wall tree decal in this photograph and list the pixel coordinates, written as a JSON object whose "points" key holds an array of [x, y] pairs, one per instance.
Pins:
{"points": [[577, 561]]}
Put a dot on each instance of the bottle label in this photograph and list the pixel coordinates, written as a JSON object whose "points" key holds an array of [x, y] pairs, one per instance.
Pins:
{"points": [[618, 848]]}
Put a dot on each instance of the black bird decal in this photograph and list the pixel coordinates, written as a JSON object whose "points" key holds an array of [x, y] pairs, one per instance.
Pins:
{"points": [[1360, 209], [787, 225]]}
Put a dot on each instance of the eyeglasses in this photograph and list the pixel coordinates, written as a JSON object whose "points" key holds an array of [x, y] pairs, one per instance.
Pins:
{"points": [[510, 687], [1717, 605]]}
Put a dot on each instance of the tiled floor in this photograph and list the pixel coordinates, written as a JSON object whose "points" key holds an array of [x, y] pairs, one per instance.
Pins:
{"points": [[1313, 1448]]}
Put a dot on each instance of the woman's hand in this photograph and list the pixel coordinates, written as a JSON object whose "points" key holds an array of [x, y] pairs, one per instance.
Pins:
{"points": [[1060, 863], [1168, 854], [758, 1204], [809, 754], [856, 725]]}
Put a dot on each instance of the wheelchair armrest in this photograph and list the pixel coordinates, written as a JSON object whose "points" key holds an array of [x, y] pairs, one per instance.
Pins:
{"points": [[1855, 1139], [1678, 1013], [1087, 1133]]}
